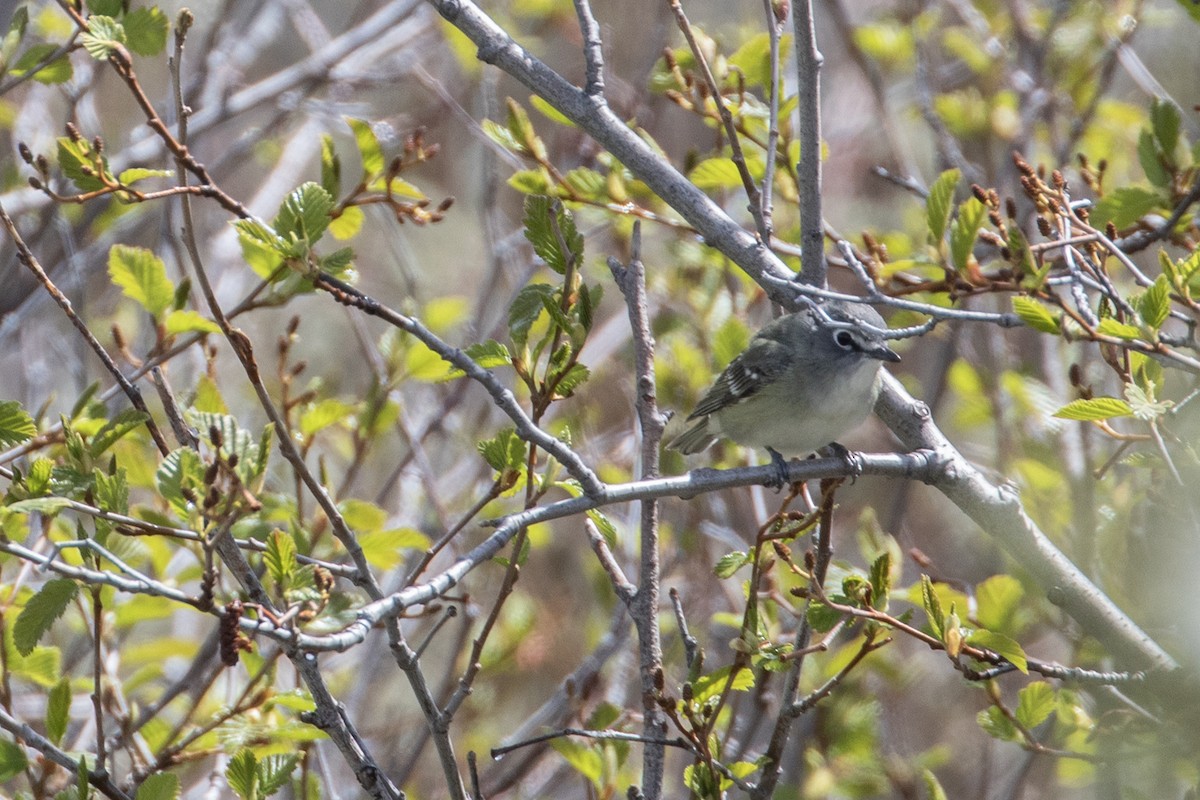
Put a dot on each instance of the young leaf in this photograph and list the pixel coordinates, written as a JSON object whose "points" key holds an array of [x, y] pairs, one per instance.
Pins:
{"points": [[142, 277], [1164, 121], [1003, 646], [730, 563], [368, 146], [1154, 304], [188, 321], [57, 71], [128, 420], [16, 426], [1035, 315], [304, 214], [58, 708], [12, 760], [964, 230], [933, 606], [526, 307], [505, 451], [104, 36], [881, 581], [940, 203], [274, 771], [280, 558], [1035, 703], [40, 612], [714, 174], [73, 157], [550, 228], [242, 774], [1151, 159], [159, 786], [1094, 409], [146, 30]]}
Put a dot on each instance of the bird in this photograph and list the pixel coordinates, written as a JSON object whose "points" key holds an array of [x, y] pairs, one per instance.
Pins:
{"points": [[804, 380]]}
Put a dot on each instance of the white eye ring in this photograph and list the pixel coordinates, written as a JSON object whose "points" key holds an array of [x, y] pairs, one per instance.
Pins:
{"points": [[844, 340]]}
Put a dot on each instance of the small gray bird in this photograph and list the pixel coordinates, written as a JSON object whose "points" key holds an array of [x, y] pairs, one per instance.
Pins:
{"points": [[801, 383]]}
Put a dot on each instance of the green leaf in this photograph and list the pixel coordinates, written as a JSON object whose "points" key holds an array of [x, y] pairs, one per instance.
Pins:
{"points": [[881, 581], [531, 181], [999, 600], [822, 617], [1035, 703], [1035, 315], [362, 516], [939, 204], [754, 58], [712, 684], [40, 613], [1151, 159], [489, 354], [280, 557], [1124, 206], [188, 321], [40, 505], [549, 112], [384, 549], [526, 307], [1142, 402], [134, 174], [159, 786], [523, 133], [1111, 327], [347, 224], [322, 414], [274, 771], [146, 30], [715, 174], [1164, 121], [933, 787], [550, 228], [1094, 409], [933, 606], [112, 491], [128, 420], [14, 34], [179, 474], [964, 230], [109, 8], [368, 146], [142, 277], [57, 71], [1002, 646], [584, 759], [58, 707], [338, 262], [12, 760], [1154, 304], [104, 36], [304, 214], [331, 167], [730, 563], [242, 774], [16, 426], [504, 451], [77, 162]]}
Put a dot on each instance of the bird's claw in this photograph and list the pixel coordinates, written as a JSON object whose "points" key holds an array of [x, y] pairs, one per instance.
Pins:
{"points": [[781, 471], [853, 461]]}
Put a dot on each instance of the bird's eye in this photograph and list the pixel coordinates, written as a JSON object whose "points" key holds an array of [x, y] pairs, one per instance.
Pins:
{"points": [[844, 340]]}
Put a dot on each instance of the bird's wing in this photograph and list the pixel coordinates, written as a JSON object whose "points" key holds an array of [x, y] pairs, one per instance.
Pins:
{"points": [[758, 366]]}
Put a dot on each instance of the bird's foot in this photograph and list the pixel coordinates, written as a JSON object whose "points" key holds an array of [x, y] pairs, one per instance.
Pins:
{"points": [[781, 471], [852, 460]]}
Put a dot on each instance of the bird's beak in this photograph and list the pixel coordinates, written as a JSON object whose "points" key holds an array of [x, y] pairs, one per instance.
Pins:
{"points": [[882, 352]]}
